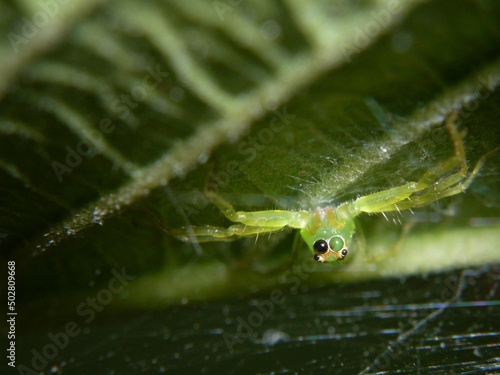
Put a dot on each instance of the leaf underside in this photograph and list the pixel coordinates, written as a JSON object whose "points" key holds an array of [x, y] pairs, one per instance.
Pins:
{"points": [[117, 115], [116, 112]]}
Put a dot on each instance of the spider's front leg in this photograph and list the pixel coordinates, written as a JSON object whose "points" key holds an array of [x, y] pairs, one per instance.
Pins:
{"points": [[447, 178], [248, 223], [268, 218], [210, 233]]}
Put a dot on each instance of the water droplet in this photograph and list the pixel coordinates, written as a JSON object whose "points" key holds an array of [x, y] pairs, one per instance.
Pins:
{"points": [[202, 158], [271, 29], [477, 353], [55, 370], [272, 336]]}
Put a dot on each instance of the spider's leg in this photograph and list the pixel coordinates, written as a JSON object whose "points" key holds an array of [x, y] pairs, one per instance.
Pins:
{"points": [[210, 233], [224, 206], [297, 243], [268, 218], [385, 200], [454, 184], [438, 182]]}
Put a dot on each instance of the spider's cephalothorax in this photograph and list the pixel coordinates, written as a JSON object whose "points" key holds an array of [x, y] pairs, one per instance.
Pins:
{"points": [[328, 234]]}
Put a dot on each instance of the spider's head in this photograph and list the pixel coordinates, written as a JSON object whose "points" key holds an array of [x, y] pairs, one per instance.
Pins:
{"points": [[327, 236]]}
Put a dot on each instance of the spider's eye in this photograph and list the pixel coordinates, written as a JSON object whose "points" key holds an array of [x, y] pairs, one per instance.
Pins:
{"points": [[336, 243], [320, 246]]}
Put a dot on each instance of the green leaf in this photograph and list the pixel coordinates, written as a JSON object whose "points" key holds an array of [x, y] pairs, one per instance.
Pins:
{"points": [[117, 115], [301, 103]]}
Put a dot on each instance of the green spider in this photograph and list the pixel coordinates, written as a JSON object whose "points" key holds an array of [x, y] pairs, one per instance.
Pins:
{"points": [[328, 230]]}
